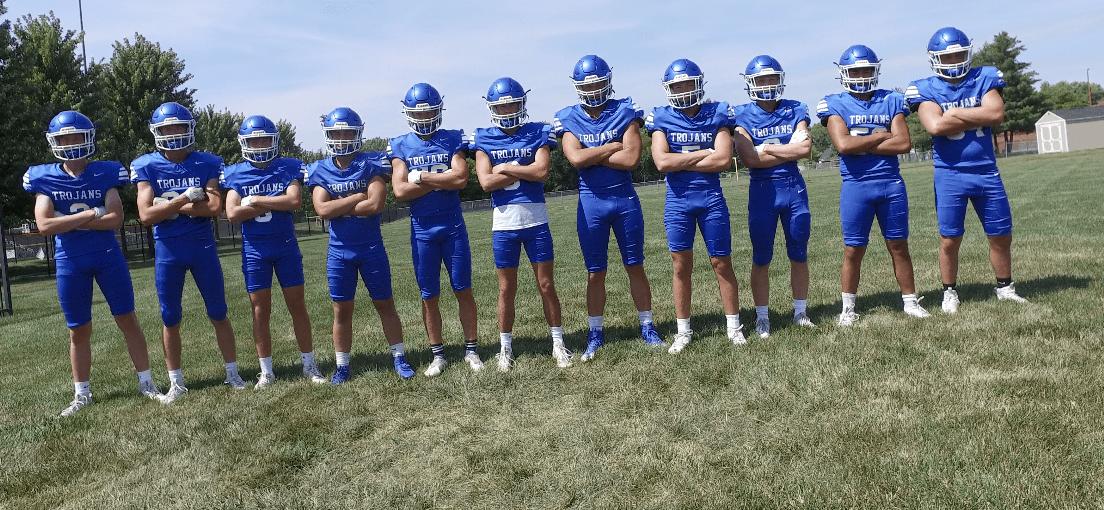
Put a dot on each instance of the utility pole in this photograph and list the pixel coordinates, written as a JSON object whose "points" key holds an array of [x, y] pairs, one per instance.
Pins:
{"points": [[84, 52], [1089, 83]]}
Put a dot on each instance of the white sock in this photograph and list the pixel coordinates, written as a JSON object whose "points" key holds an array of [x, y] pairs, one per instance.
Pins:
{"points": [[232, 368], [266, 365], [307, 358], [398, 349], [82, 388], [683, 325], [799, 306], [342, 358], [645, 317], [761, 312], [732, 321], [176, 377], [849, 300], [506, 340], [909, 299], [595, 322], [144, 376], [557, 335]]}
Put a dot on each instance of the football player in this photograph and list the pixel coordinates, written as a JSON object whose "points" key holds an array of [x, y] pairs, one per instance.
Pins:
{"points": [[350, 190], [959, 107], [601, 139], [430, 167], [868, 128], [262, 192], [691, 145], [178, 194], [512, 160], [771, 135], [77, 201]]}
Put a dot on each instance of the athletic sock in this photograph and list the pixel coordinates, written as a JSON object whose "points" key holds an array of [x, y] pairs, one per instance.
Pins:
{"points": [[761, 312], [232, 368], [1003, 282], [557, 336], [438, 350], [266, 365], [307, 358], [82, 388], [682, 325], [645, 317], [595, 322], [732, 322], [799, 306], [849, 300], [398, 349], [469, 346], [176, 377], [144, 376], [950, 286], [342, 358], [908, 299], [506, 340]]}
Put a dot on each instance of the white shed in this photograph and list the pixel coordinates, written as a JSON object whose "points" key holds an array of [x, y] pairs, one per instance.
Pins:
{"points": [[1070, 130]]}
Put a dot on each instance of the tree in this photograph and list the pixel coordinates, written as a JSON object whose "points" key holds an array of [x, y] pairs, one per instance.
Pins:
{"points": [[1022, 104], [1065, 95], [921, 138], [217, 133], [822, 141]]}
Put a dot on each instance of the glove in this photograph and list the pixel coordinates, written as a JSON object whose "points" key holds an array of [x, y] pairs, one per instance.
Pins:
{"points": [[159, 200], [760, 148], [100, 211], [247, 201], [799, 136], [414, 176], [195, 194]]}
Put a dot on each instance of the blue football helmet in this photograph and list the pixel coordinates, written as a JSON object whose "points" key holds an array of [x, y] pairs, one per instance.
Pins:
{"points": [[503, 92], [254, 128], [589, 70], [859, 57], [763, 66], [946, 42], [684, 70], [70, 122], [342, 119], [422, 97], [170, 114]]}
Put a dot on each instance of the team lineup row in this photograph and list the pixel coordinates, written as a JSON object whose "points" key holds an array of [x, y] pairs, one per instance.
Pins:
{"points": [[179, 191]]}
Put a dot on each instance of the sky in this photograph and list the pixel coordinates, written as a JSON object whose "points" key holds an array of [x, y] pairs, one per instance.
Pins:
{"points": [[298, 59]]}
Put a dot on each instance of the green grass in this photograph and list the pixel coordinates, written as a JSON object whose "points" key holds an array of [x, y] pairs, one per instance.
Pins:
{"points": [[998, 406]]}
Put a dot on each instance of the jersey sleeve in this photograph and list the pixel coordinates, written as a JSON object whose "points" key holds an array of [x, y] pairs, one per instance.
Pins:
{"points": [[897, 103], [214, 169], [801, 113], [557, 125], [30, 181], [649, 122], [994, 78], [381, 165], [224, 183], [915, 94], [138, 171], [549, 136]]}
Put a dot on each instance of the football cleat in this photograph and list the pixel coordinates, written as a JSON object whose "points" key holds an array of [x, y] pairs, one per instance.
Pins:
{"points": [[914, 309], [341, 375], [802, 319], [311, 372], [680, 342], [149, 389], [651, 336], [848, 317], [264, 380], [436, 367], [561, 355], [950, 301], [175, 391], [473, 360], [79, 401], [595, 339], [235, 381], [505, 359], [1009, 293], [762, 326], [736, 336], [403, 368]]}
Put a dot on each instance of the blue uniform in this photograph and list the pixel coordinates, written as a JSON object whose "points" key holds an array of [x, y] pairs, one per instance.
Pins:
{"points": [[356, 243], [607, 198], [694, 199], [268, 241], [965, 163], [183, 242], [872, 185], [438, 234], [520, 148], [82, 254], [776, 193]]}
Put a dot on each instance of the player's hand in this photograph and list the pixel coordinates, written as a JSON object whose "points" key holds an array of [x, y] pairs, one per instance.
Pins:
{"points": [[247, 201], [159, 200], [100, 211], [414, 176], [799, 136], [195, 194], [760, 148]]}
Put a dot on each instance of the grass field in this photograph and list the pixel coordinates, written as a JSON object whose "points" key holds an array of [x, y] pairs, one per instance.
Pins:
{"points": [[999, 406]]}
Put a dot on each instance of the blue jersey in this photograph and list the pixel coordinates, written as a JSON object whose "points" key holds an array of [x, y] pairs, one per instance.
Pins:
{"points": [[433, 155], [169, 180], [773, 128], [75, 194], [685, 134], [351, 230], [972, 150], [610, 126], [520, 147], [270, 181], [864, 118]]}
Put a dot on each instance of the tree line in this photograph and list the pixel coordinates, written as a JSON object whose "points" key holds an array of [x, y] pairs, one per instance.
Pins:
{"points": [[42, 73]]}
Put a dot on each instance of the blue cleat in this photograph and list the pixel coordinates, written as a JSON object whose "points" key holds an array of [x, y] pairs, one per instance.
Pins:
{"points": [[650, 336], [340, 376], [403, 368], [595, 339]]}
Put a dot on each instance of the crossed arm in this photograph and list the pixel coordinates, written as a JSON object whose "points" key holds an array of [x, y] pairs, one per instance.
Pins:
{"points": [[623, 154], [495, 177], [456, 177], [772, 154], [48, 224], [888, 143], [957, 120], [291, 200], [717, 159], [365, 203], [150, 213]]}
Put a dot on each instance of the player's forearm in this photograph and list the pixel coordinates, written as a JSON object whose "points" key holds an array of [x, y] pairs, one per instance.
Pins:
{"points": [[493, 182], [283, 202], [716, 161], [370, 206], [337, 207], [406, 191], [590, 156], [678, 161], [536, 171], [66, 223], [790, 151], [899, 144], [156, 213], [982, 116], [849, 144]]}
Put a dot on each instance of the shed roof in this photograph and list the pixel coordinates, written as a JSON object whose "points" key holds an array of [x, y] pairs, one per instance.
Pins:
{"points": [[1083, 114]]}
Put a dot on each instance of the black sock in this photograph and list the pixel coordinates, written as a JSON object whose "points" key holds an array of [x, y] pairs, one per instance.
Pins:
{"points": [[471, 346], [950, 286], [1003, 282], [438, 350]]}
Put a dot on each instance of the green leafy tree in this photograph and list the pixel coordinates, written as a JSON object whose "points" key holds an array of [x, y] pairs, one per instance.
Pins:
{"points": [[1023, 105], [1065, 95], [821, 141], [921, 139]]}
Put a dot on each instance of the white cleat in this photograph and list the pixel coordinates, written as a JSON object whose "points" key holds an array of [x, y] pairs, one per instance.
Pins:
{"points": [[680, 342], [150, 390], [505, 359], [474, 362], [436, 367], [803, 320], [264, 380], [311, 372], [736, 336], [561, 355], [1009, 293], [914, 309], [950, 301], [762, 326], [848, 317], [175, 391], [235, 381], [79, 401]]}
